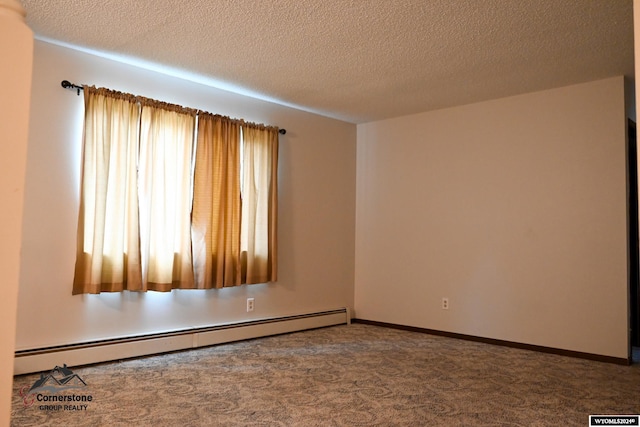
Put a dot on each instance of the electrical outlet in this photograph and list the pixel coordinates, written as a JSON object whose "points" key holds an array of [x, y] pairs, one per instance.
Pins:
{"points": [[250, 304], [445, 303]]}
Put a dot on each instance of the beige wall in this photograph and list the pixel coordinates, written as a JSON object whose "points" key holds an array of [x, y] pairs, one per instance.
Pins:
{"points": [[16, 51], [514, 209], [316, 212]]}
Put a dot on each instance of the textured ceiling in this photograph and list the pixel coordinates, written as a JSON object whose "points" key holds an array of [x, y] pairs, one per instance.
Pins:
{"points": [[359, 60]]}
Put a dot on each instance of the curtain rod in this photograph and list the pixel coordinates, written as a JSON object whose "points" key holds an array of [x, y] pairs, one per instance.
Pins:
{"points": [[68, 85]]}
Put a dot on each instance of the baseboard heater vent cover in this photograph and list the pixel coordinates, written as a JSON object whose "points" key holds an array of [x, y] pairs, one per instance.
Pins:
{"points": [[44, 359]]}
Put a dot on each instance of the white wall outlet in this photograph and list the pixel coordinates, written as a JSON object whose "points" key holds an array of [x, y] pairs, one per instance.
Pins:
{"points": [[250, 304], [445, 303]]}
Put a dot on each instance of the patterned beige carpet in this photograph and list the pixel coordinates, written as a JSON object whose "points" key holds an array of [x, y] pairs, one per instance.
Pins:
{"points": [[357, 375]]}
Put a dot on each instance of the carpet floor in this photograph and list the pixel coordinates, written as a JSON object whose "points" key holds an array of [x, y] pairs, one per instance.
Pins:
{"points": [[355, 375]]}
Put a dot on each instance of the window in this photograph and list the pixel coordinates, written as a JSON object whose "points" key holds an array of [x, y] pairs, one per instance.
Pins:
{"points": [[165, 207]]}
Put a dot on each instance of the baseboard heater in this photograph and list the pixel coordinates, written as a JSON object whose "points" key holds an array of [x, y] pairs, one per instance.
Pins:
{"points": [[44, 359]]}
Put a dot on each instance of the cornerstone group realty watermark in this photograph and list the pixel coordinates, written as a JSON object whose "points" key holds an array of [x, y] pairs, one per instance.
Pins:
{"points": [[59, 390]]}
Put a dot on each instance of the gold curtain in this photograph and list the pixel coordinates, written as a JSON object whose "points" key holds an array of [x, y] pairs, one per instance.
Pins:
{"points": [[259, 203], [234, 203], [108, 252], [216, 203], [166, 146]]}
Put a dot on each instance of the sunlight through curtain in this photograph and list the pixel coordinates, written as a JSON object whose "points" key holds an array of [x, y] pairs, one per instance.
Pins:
{"points": [[108, 246], [259, 202], [161, 211], [166, 145]]}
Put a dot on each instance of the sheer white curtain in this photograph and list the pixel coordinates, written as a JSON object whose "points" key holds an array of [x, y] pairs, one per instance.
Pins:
{"points": [[166, 147], [108, 254], [135, 205], [259, 203]]}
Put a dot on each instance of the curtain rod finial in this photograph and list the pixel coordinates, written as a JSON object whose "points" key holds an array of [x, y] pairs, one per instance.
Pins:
{"points": [[68, 85], [282, 131]]}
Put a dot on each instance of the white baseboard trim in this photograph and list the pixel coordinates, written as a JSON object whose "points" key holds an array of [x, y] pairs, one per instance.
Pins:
{"points": [[43, 359]]}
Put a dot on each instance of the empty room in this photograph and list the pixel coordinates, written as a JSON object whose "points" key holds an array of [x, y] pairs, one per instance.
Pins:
{"points": [[304, 213]]}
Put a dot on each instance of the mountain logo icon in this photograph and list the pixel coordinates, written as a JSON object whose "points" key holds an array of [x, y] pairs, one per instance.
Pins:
{"points": [[58, 379]]}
